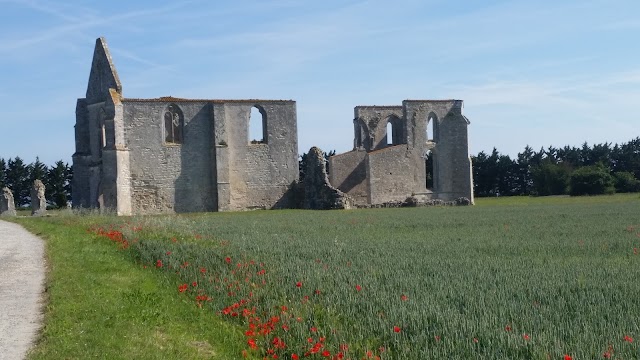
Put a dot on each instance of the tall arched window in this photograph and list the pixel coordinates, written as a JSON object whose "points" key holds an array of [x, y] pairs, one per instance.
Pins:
{"points": [[173, 124], [432, 128], [257, 125], [394, 131], [389, 133]]}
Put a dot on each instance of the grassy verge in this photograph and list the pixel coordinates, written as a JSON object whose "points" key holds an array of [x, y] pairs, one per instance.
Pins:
{"points": [[511, 278], [103, 305]]}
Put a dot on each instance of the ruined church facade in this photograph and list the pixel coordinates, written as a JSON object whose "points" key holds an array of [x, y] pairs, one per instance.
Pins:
{"points": [[391, 143], [165, 155]]}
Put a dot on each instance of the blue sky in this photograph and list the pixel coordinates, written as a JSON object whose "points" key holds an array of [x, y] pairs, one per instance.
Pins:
{"points": [[530, 72]]}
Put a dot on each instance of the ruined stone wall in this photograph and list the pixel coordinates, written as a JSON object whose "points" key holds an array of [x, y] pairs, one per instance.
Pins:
{"points": [[348, 173], [148, 156], [373, 126], [318, 192], [396, 171], [169, 177], [390, 174], [255, 175]]}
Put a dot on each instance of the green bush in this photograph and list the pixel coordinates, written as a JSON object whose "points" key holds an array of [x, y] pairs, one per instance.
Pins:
{"points": [[626, 182], [591, 180]]}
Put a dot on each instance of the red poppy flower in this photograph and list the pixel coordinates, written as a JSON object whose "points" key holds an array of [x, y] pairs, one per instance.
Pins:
{"points": [[159, 263], [525, 336], [227, 260], [397, 329], [567, 357], [294, 356], [194, 284], [628, 339], [326, 353], [299, 284], [358, 287], [507, 328], [404, 297]]}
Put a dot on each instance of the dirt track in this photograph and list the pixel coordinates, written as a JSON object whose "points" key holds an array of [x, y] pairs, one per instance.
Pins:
{"points": [[22, 270]]}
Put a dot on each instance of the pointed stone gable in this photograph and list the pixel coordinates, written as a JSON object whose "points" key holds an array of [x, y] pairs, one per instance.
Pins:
{"points": [[103, 74]]}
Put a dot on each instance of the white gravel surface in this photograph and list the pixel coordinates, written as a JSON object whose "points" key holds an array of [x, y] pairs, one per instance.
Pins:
{"points": [[21, 286]]}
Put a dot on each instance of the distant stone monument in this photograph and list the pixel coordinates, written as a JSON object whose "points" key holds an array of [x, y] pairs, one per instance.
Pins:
{"points": [[7, 205], [38, 201]]}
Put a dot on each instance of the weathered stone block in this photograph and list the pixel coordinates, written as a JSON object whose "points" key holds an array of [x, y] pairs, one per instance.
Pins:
{"points": [[38, 200], [7, 204]]}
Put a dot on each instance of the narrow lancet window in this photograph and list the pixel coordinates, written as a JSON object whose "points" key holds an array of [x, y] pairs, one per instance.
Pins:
{"points": [[173, 124]]}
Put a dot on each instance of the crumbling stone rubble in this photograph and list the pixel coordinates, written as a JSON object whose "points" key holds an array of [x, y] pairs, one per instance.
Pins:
{"points": [[318, 193]]}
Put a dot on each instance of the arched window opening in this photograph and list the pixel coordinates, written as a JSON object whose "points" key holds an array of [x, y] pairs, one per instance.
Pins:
{"points": [[394, 131], [257, 126], [173, 125], [430, 126], [428, 164]]}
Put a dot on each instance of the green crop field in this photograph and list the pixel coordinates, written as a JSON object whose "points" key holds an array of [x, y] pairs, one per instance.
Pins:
{"points": [[515, 278]]}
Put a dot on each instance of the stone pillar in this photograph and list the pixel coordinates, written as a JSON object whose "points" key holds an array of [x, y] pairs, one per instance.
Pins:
{"points": [[38, 201], [7, 205]]}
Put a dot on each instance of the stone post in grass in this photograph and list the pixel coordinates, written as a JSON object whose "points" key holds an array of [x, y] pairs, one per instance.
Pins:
{"points": [[38, 201], [7, 205]]}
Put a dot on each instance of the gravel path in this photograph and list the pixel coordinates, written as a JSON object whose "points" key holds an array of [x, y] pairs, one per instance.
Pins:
{"points": [[21, 286]]}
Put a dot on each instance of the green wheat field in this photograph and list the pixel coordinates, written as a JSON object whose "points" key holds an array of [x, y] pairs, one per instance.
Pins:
{"points": [[512, 278]]}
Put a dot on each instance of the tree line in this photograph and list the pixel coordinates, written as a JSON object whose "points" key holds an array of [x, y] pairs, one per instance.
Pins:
{"points": [[598, 169], [19, 177]]}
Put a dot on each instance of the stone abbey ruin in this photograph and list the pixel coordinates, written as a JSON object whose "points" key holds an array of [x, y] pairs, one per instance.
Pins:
{"points": [[166, 155]]}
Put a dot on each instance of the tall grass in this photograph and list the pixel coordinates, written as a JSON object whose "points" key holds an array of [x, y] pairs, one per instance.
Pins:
{"points": [[532, 282]]}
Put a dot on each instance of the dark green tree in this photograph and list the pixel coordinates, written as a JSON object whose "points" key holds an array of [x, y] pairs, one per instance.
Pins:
{"points": [[37, 171], [3, 173], [591, 180], [18, 180], [550, 178], [58, 184]]}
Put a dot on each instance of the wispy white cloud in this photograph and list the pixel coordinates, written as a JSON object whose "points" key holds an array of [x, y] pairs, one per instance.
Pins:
{"points": [[74, 25]]}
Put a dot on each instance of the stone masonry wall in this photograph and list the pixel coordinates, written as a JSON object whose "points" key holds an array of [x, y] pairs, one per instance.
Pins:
{"points": [[258, 175], [390, 174], [348, 173], [168, 177]]}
